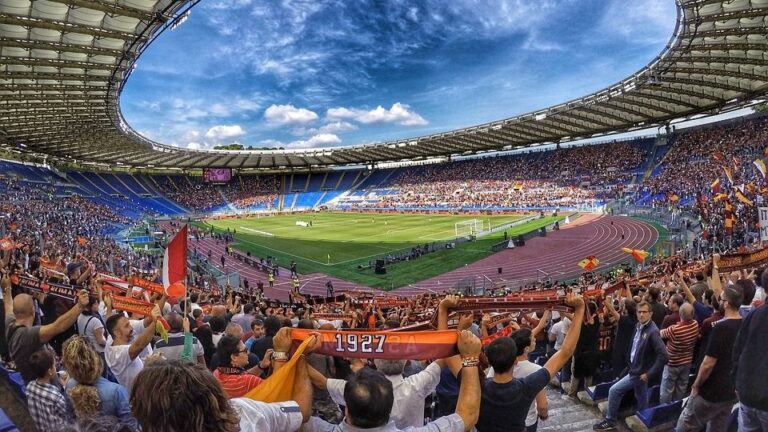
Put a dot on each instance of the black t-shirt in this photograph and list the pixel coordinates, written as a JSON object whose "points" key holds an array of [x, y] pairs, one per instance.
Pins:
{"points": [[658, 312], [625, 331], [719, 387], [504, 407]]}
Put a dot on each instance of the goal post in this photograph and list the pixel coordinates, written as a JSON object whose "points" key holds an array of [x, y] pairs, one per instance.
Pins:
{"points": [[468, 227]]}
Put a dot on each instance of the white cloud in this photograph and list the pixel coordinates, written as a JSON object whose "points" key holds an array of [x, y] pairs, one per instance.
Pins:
{"points": [[319, 140], [193, 146], [398, 114], [289, 115], [220, 133]]}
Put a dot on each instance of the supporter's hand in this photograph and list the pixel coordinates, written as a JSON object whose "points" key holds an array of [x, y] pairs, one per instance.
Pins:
{"points": [[465, 321], [468, 344], [282, 340], [486, 319], [694, 391], [83, 298], [450, 301], [644, 378], [156, 313], [716, 260], [355, 364], [575, 301], [266, 362], [185, 326]]}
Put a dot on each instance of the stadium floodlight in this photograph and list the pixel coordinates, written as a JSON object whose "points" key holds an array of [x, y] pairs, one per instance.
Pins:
{"points": [[181, 19]]}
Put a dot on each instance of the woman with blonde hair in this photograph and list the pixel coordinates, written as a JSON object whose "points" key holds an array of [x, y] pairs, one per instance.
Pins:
{"points": [[91, 394]]}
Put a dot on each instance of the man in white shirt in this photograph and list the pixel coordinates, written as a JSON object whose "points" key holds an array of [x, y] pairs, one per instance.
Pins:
{"points": [[123, 355], [408, 407], [369, 399], [558, 331]]}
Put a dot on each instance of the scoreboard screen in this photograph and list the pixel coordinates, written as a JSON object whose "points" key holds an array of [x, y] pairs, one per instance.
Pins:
{"points": [[217, 175]]}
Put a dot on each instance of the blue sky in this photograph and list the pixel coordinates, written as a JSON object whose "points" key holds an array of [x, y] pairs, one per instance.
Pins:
{"points": [[315, 73]]}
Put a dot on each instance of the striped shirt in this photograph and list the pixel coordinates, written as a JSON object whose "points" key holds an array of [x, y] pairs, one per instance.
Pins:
{"points": [[237, 385], [681, 338]]}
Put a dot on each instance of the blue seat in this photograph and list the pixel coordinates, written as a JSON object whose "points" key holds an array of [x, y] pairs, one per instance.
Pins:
{"points": [[14, 380], [600, 391], [653, 395], [660, 414], [6, 425]]}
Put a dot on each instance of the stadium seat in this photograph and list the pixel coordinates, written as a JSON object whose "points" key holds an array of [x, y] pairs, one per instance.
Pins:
{"points": [[14, 380], [600, 391], [6, 425], [660, 415], [653, 394]]}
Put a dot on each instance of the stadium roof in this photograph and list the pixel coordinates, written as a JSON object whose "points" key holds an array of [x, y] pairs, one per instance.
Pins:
{"points": [[63, 64]]}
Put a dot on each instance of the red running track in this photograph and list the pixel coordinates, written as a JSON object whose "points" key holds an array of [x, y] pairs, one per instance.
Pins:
{"points": [[557, 254]]}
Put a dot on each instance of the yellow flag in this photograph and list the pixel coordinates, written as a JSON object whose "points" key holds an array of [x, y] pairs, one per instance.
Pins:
{"points": [[279, 386]]}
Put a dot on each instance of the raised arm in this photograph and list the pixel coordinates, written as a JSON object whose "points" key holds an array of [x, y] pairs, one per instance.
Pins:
{"points": [[558, 360], [50, 331], [450, 301], [145, 337], [468, 404], [613, 315], [688, 294], [5, 282], [542, 323]]}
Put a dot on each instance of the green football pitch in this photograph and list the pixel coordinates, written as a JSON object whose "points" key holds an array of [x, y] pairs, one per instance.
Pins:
{"points": [[338, 243]]}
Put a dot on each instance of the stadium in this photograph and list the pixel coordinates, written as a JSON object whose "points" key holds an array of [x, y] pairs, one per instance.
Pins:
{"points": [[638, 195]]}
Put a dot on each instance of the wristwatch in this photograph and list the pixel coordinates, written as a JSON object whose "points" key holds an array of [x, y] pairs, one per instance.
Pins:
{"points": [[279, 355]]}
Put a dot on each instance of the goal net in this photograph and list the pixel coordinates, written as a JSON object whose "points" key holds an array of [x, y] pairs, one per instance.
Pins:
{"points": [[469, 227]]}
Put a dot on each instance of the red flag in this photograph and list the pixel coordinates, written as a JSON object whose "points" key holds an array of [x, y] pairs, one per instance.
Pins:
{"points": [[715, 186], [6, 244], [175, 264]]}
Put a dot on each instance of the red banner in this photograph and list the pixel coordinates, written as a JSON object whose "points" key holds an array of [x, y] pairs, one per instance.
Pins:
{"points": [[128, 304], [383, 345], [146, 285]]}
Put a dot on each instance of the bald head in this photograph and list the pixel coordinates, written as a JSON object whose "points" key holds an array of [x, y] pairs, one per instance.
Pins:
{"points": [[23, 306], [686, 312], [219, 311], [234, 330]]}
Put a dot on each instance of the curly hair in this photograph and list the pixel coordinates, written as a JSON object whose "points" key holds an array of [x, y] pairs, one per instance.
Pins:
{"points": [[191, 399], [84, 365]]}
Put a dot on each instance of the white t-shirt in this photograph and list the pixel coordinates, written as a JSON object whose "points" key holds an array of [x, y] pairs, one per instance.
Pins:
{"points": [[86, 326], [559, 330], [122, 366], [258, 416], [408, 406]]}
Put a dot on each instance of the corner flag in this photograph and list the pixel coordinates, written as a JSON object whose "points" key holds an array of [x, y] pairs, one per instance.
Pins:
{"points": [[175, 265]]}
